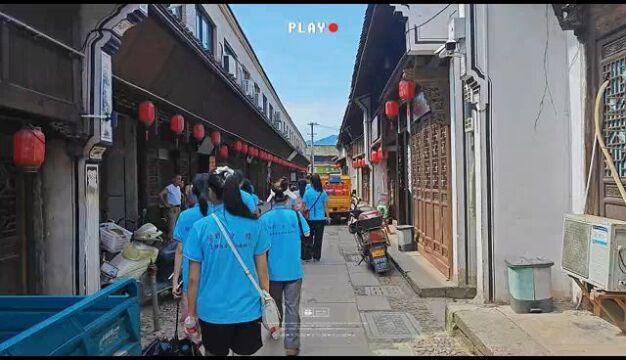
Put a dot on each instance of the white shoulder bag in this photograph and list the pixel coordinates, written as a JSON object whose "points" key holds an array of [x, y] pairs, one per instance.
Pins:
{"points": [[271, 316]]}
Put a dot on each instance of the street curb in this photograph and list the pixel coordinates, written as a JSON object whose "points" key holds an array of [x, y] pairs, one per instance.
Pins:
{"points": [[455, 292]]}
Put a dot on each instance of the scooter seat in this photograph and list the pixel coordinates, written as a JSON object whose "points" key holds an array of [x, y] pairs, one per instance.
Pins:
{"points": [[169, 251]]}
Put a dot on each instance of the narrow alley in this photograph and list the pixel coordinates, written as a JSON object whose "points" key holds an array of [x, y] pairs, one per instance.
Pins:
{"points": [[348, 310]]}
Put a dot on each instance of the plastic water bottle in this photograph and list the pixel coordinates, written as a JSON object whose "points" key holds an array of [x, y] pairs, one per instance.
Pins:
{"points": [[191, 329]]}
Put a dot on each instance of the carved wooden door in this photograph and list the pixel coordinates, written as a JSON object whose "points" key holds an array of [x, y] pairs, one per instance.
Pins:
{"points": [[612, 66], [12, 245], [430, 170]]}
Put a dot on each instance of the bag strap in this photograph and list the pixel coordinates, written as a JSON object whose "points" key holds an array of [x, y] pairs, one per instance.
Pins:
{"points": [[236, 253], [299, 224], [318, 197]]}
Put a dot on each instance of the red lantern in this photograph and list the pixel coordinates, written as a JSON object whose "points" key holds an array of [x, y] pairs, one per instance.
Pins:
{"points": [[177, 124], [198, 132], [244, 149], [252, 151], [406, 89], [391, 109], [379, 154], [216, 137], [354, 163], [29, 149], [147, 113], [224, 151], [237, 145]]}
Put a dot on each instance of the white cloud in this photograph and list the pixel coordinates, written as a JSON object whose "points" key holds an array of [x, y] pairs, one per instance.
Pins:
{"points": [[325, 113]]}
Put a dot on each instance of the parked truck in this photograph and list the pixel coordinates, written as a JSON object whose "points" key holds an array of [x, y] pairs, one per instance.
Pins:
{"points": [[338, 187]]}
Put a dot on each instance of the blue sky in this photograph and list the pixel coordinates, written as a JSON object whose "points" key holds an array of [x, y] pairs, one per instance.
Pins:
{"points": [[310, 72]]}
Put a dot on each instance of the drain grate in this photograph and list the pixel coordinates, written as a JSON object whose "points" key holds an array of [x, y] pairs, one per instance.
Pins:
{"points": [[383, 291], [390, 325]]}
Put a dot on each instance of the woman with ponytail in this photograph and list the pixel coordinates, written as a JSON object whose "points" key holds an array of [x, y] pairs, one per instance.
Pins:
{"points": [[286, 229], [186, 219], [223, 302]]}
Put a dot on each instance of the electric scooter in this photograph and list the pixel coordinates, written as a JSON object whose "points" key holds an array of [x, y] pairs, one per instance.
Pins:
{"points": [[366, 224], [144, 255]]}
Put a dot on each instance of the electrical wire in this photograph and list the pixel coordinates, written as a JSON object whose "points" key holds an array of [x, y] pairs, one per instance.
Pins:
{"points": [[427, 21], [621, 261], [546, 88]]}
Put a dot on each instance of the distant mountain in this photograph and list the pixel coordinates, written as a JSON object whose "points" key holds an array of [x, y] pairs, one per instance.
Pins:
{"points": [[329, 140]]}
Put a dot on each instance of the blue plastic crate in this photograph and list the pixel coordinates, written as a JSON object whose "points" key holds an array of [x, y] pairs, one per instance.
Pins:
{"points": [[105, 323]]}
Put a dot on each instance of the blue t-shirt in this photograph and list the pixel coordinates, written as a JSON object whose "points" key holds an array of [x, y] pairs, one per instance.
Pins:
{"points": [[316, 209], [225, 294], [248, 200], [185, 221], [284, 256]]}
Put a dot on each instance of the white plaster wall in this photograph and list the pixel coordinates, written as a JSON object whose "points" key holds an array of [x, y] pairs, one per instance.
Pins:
{"points": [[577, 89], [224, 30], [531, 166]]}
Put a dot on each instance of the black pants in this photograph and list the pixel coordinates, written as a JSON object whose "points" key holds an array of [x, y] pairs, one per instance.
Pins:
{"points": [[317, 234], [242, 338]]}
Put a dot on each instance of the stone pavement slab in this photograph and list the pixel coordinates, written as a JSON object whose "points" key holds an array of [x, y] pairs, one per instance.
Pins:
{"points": [[372, 303], [363, 279]]}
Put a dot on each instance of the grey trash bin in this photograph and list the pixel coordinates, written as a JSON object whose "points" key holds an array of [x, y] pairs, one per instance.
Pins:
{"points": [[530, 284], [405, 238]]}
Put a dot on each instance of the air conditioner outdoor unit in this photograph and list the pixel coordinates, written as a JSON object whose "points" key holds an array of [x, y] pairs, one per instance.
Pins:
{"points": [[594, 250]]}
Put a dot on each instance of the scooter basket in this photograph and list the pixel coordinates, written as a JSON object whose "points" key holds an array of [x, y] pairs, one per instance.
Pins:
{"points": [[113, 237]]}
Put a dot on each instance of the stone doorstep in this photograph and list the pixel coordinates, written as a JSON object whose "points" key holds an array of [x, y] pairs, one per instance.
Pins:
{"points": [[487, 331], [425, 280], [497, 330]]}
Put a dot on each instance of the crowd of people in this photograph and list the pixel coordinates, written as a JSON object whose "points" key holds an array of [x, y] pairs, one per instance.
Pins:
{"points": [[224, 240]]}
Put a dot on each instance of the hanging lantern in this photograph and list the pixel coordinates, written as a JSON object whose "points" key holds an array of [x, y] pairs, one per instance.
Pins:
{"points": [[252, 151], [237, 145], [216, 137], [391, 109], [29, 149], [379, 154], [406, 89], [224, 151], [244, 149], [198, 132], [177, 124], [146, 113]]}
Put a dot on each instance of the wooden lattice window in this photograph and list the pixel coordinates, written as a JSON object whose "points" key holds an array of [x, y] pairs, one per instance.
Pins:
{"points": [[614, 69]]}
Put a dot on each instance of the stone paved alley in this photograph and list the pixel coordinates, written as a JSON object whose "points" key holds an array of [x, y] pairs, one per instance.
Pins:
{"points": [[348, 310]]}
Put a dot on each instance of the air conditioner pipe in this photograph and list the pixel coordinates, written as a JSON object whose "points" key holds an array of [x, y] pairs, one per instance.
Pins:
{"points": [[600, 138]]}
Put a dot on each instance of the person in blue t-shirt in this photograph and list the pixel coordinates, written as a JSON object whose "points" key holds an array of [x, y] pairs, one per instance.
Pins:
{"points": [[221, 297], [315, 200], [185, 221], [285, 227]]}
